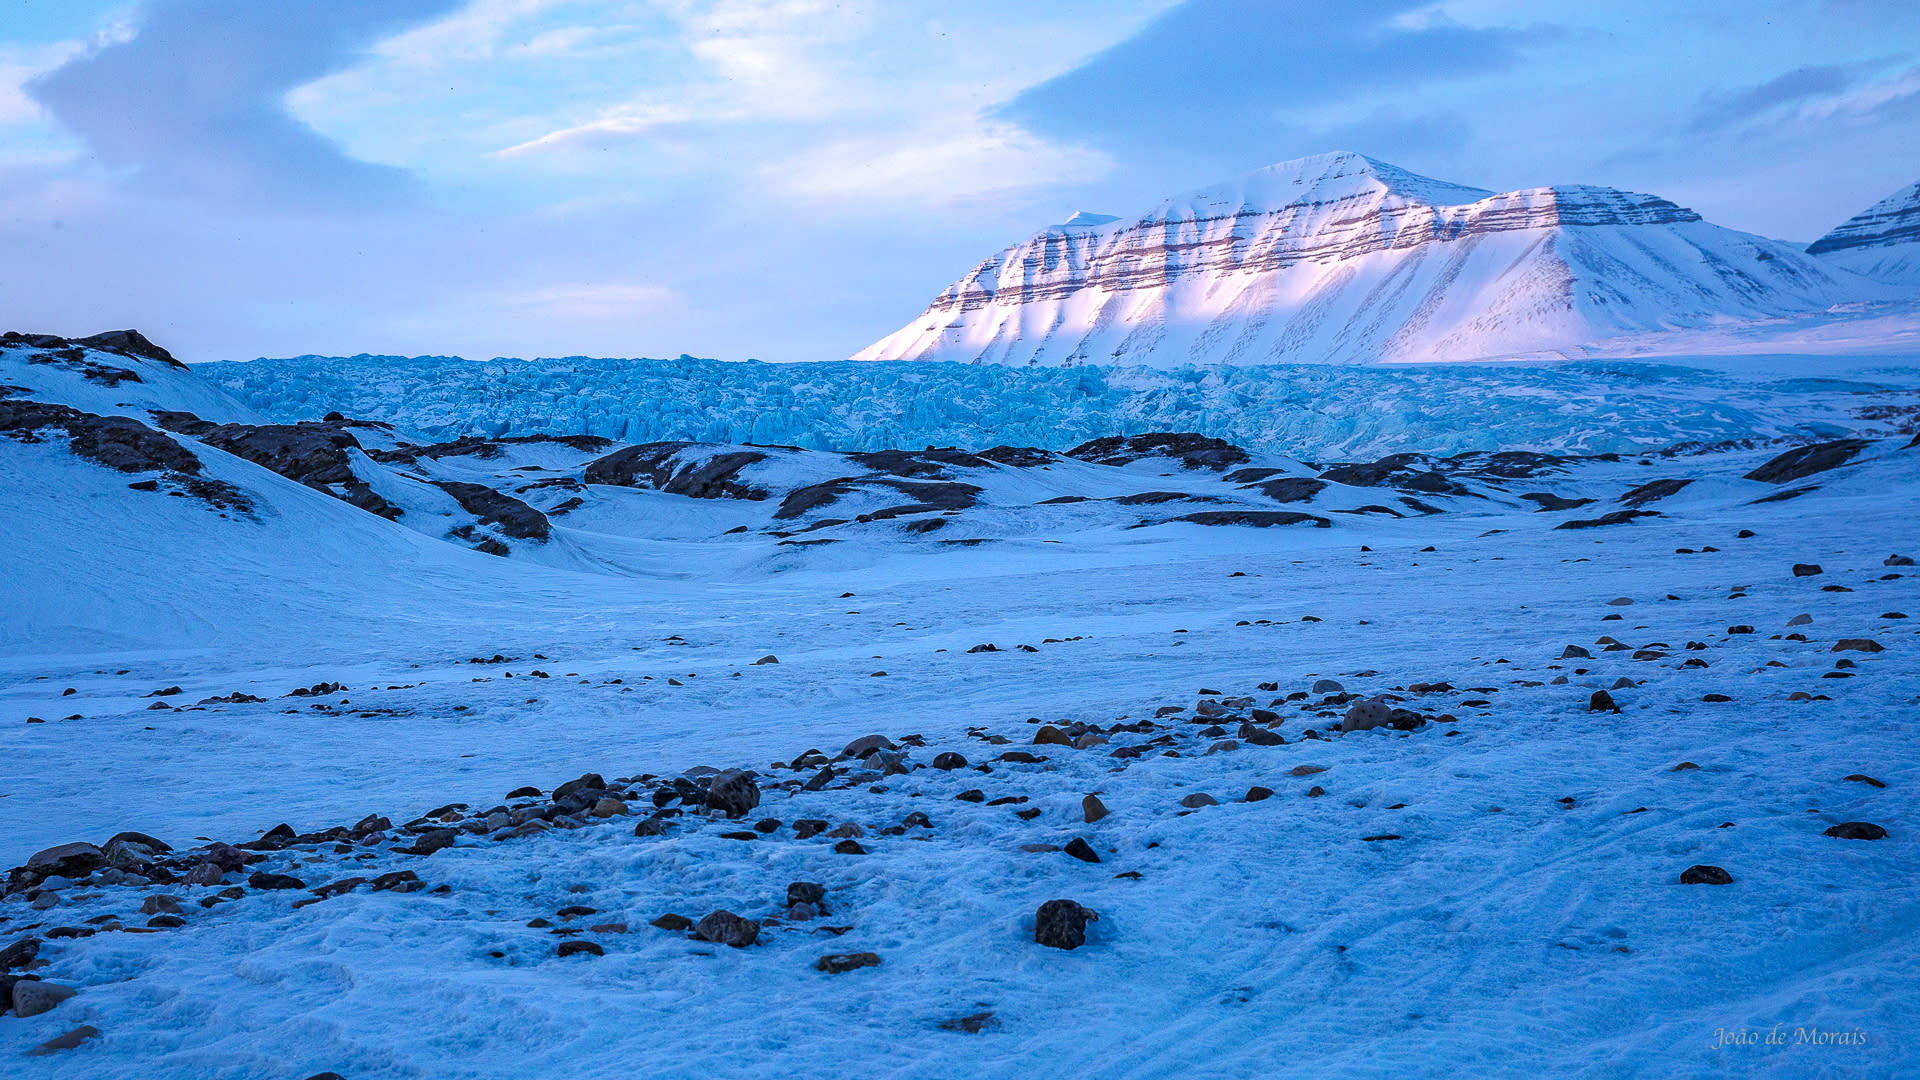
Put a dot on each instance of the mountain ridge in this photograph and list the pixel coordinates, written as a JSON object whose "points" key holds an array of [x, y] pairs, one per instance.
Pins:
{"points": [[1342, 258]]}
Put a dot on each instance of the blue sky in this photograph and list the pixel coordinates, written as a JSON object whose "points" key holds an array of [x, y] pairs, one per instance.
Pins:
{"points": [[790, 179]]}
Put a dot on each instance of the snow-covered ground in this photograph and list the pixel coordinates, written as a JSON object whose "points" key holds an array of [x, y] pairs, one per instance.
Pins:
{"points": [[1494, 893]]}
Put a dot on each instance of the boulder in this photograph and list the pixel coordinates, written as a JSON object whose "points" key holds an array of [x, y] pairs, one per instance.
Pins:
{"points": [[67, 860], [31, 998], [734, 792], [1366, 715], [1093, 808]]}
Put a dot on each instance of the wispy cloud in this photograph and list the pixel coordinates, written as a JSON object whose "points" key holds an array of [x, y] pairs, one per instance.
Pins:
{"points": [[619, 124], [1723, 110]]}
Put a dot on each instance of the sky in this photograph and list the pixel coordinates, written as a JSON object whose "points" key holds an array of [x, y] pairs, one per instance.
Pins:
{"points": [[791, 179]]}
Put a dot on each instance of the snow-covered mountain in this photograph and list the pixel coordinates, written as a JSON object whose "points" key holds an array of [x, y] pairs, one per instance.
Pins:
{"points": [[1341, 258], [1881, 242]]}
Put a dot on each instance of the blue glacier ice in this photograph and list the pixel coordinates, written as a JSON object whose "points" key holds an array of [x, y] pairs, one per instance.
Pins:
{"points": [[1310, 411]]}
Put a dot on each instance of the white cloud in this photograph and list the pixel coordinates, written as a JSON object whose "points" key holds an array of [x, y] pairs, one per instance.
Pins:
{"points": [[935, 167], [618, 124]]}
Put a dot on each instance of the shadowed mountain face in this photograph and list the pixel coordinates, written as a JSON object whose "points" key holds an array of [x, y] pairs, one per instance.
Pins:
{"points": [[1340, 258]]}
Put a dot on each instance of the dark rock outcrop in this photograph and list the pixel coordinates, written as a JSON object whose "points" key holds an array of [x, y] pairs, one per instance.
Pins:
{"points": [[657, 465], [508, 514], [1194, 451], [1807, 460]]}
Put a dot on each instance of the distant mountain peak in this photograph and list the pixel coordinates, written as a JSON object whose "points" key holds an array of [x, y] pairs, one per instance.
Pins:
{"points": [[1343, 258], [1880, 242]]}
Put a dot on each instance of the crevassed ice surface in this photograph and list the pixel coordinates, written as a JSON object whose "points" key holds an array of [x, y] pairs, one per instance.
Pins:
{"points": [[1306, 410]]}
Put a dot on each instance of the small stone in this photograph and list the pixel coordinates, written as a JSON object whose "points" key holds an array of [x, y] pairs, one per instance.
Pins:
{"points": [[580, 948], [65, 1042], [1258, 794], [972, 1024], [1857, 830], [1048, 735], [841, 963], [849, 847], [609, 807], [671, 921], [1306, 770], [949, 761], [264, 880], [726, 928], [1316, 791], [528, 792], [1601, 701], [1705, 875], [1863, 778], [400, 881], [1062, 924], [1801, 619], [971, 795], [160, 904], [1865, 645], [167, 922], [1806, 569], [608, 928], [1620, 601], [1080, 849], [767, 826], [806, 892], [31, 998], [767, 659], [1575, 652], [1328, 686], [867, 744], [432, 840], [1093, 808], [1199, 799]]}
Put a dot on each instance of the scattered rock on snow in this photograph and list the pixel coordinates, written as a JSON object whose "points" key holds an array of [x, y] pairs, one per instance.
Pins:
{"points": [[1705, 875], [733, 792], [725, 928], [1062, 924], [32, 997], [68, 1041], [1857, 830], [841, 963]]}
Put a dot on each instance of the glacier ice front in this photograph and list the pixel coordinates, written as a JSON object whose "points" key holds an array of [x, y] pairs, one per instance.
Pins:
{"points": [[1317, 412]]}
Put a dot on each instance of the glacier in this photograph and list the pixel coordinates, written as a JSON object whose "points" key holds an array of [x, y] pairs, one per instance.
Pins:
{"points": [[1303, 410]]}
